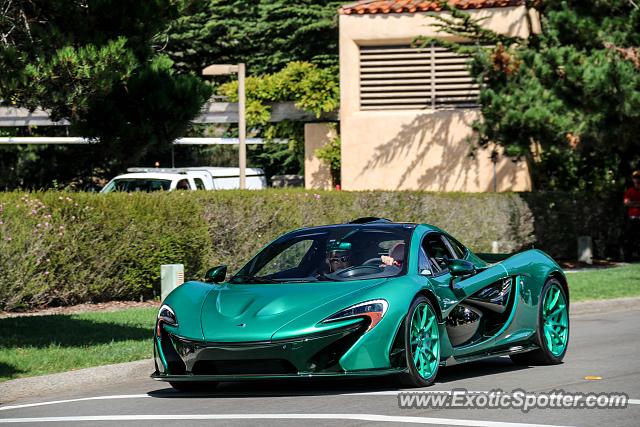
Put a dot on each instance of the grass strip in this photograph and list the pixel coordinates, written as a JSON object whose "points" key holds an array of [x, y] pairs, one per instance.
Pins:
{"points": [[38, 345], [608, 283]]}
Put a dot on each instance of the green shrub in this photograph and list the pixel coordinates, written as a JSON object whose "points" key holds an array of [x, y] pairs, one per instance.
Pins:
{"points": [[60, 248], [560, 217], [66, 248]]}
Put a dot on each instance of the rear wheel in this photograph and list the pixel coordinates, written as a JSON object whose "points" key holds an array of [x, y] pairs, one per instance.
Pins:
{"points": [[194, 386], [553, 328], [422, 344]]}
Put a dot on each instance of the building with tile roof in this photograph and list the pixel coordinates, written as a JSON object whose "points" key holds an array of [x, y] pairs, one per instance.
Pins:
{"points": [[406, 112], [412, 6]]}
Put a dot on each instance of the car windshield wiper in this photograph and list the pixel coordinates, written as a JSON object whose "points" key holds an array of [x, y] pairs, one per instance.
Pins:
{"points": [[253, 279]]}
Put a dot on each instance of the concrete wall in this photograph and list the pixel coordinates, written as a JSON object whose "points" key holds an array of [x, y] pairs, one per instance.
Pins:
{"points": [[415, 149]]}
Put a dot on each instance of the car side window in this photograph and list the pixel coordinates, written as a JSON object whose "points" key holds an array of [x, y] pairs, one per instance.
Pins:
{"points": [[199, 183], [424, 266], [437, 252], [458, 250]]}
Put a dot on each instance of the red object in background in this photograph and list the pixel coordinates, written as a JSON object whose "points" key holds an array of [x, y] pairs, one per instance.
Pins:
{"points": [[338, 187], [633, 195]]}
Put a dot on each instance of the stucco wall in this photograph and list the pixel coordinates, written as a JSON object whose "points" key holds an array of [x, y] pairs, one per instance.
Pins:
{"points": [[428, 151], [415, 149]]}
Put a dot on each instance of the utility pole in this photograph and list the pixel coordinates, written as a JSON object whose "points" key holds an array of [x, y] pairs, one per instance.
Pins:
{"points": [[226, 69], [242, 127]]}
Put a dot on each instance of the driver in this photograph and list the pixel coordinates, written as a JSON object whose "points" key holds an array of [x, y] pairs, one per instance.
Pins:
{"points": [[339, 259]]}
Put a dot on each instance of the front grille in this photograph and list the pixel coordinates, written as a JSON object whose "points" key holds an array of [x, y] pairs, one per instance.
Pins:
{"points": [[243, 367]]}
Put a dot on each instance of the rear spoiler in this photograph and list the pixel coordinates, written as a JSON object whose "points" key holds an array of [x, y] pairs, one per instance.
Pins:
{"points": [[493, 258]]}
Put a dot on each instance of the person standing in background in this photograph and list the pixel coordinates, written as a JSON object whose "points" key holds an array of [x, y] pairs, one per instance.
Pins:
{"points": [[632, 226]]}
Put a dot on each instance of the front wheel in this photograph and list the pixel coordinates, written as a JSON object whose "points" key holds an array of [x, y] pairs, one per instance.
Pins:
{"points": [[553, 328], [422, 344]]}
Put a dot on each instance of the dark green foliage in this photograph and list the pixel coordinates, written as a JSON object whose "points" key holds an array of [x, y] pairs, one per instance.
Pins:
{"points": [[311, 88], [330, 156], [560, 217], [95, 63], [266, 35], [573, 92]]}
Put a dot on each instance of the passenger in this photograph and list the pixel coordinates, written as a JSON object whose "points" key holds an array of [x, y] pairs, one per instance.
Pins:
{"points": [[183, 185], [395, 257]]}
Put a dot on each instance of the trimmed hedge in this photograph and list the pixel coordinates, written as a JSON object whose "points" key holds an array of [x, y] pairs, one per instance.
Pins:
{"points": [[60, 248]]}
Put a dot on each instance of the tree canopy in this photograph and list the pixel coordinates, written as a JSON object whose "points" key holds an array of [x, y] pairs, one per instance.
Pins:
{"points": [[98, 63], [264, 34]]}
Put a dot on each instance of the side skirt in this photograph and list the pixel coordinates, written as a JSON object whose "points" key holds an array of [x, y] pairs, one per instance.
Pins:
{"points": [[505, 352], [188, 377]]}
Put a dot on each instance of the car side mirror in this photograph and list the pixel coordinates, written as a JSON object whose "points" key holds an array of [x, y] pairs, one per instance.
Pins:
{"points": [[460, 267], [216, 274]]}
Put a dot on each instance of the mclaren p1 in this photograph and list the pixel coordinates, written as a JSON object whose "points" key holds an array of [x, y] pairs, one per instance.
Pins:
{"points": [[366, 298]]}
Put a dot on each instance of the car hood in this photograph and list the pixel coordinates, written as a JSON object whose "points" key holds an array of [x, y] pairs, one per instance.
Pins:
{"points": [[254, 312]]}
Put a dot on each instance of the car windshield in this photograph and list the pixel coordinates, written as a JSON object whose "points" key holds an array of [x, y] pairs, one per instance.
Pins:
{"points": [[337, 253], [138, 184]]}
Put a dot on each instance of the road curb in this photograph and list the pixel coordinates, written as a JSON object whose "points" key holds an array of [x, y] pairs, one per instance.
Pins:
{"points": [[105, 375], [20, 388], [605, 306]]}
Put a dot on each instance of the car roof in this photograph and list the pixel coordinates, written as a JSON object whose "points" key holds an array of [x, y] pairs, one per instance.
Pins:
{"points": [[152, 175], [375, 224]]}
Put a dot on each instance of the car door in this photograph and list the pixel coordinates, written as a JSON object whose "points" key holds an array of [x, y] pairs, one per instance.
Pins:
{"points": [[438, 250]]}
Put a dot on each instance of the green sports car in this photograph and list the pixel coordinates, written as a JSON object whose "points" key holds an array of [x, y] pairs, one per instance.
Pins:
{"points": [[371, 297]]}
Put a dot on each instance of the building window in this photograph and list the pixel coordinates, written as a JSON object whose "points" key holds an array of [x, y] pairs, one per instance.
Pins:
{"points": [[407, 78]]}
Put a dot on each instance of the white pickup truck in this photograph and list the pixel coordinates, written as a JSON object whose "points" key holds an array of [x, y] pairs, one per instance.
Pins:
{"points": [[196, 178]]}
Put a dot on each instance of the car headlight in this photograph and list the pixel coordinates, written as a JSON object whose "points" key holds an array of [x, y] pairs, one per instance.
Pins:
{"points": [[374, 310], [166, 315]]}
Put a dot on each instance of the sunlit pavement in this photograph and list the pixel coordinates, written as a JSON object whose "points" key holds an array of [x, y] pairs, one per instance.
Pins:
{"points": [[602, 345]]}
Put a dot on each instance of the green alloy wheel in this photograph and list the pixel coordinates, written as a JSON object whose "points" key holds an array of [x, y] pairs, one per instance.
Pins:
{"points": [[556, 320], [422, 344], [553, 328]]}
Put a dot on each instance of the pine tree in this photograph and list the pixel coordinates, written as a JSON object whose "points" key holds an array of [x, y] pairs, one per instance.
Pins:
{"points": [[97, 63], [566, 100], [265, 34]]}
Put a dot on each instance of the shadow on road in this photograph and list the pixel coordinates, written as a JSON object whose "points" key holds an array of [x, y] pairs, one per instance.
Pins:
{"points": [[325, 386], [493, 366]]}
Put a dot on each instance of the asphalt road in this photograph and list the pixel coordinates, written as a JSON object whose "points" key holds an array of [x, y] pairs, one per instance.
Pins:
{"points": [[605, 345]]}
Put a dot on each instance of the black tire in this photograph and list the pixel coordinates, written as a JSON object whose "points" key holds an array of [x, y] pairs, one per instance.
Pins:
{"points": [[543, 356], [412, 378], [194, 386]]}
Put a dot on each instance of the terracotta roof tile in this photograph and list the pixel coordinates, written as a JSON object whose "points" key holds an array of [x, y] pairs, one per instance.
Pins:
{"points": [[411, 6]]}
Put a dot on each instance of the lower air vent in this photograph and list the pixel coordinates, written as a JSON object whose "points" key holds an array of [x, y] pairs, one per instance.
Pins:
{"points": [[243, 367]]}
